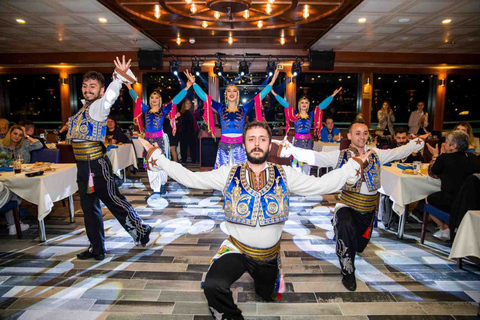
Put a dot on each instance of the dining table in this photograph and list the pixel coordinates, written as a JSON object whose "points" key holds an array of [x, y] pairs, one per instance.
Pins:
{"points": [[58, 182], [404, 188], [467, 239]]}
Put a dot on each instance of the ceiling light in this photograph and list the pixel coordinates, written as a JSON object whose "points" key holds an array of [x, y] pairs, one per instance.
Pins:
{"points": [[188, 1], [218, 69], [268, 9], [338, 37], [193, 8], [246, 14], [102, 20], [157, 11], [260, 24], [216, 15], [20, 21], [296, 68], [446, 21], [271, 66], [362, 20], [271, 1], [174, 67], [282, 41], [196, 70], [230, 40], [243, 68], [179, 41], [404, 20], [305, 11], [204, 24]]}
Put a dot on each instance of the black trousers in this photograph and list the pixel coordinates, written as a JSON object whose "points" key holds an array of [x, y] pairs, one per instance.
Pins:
{"points": [[225, 271], [350, 227], [105, 190], [188, 140]]}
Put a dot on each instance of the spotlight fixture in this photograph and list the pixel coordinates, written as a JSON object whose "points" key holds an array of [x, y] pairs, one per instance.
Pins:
{"points": [[296, 68], [271, 66], [20, 21], [216, 15], [230, 40], [193, 8], [268, 9], [243, 67], [246, 14], [446, 21], [271, 1], [260, 24], [157, 11], [174, 67], [218, 69], [188, 1], [196, 70], [306, 14], [205, 24], [282, 41]]}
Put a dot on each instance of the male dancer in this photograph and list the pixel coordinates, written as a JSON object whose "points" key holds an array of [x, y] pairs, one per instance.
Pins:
{"points": [[355, 212], [256, 207], [87, 129]]}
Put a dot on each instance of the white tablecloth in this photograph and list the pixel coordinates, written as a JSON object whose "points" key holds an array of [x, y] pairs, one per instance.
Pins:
{"points": [[405, 188], [137, 145], [122, 157], [467, 240], [46, 189], [320, 146]]}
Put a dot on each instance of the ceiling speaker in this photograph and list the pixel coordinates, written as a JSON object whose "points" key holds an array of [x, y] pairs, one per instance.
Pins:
{"points": [[150, 60], [322, 60]]}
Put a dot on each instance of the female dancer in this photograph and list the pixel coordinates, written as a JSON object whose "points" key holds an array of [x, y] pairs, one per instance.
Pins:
{"points": [[232, 120], [154, 117], [303, 124]]}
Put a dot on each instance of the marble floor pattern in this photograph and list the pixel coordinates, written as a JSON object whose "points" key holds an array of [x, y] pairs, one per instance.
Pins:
{"points": [[397, 279]]}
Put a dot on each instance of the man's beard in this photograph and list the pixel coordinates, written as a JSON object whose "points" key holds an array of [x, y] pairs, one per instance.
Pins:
{"points": [[257, 160], [93, 99]]}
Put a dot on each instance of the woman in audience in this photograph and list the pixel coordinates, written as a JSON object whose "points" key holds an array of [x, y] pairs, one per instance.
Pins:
{"points": [[418, 121], [467, 128], [5, 196], [17, 142], [114, 132], [303, 121], [4, 124], [386, 118], [452, 166]]}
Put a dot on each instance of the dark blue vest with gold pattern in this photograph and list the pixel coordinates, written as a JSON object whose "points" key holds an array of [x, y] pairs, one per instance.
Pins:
{"points": [[246, 206], [83, 127], [371, 173]]}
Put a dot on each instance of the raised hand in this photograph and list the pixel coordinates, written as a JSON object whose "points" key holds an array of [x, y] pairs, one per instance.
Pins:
{"points": [[274, 78], [433, 151], [190, 76], [336, 91], [364, 157], [122, 65]]}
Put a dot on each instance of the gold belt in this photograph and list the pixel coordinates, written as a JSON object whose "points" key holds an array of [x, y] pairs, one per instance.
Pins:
{"points": [[358, 201], [267, 254], [88, 150]]}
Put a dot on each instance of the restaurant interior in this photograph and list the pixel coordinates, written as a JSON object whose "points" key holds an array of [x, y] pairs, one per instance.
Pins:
{"points": [[404, 52]]}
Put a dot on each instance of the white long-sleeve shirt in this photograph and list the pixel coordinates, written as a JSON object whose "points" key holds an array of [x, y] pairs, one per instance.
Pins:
{"points": [[297, 183]]}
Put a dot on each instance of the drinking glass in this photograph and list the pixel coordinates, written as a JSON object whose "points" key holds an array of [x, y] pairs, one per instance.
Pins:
{"points": [[417, 166]]}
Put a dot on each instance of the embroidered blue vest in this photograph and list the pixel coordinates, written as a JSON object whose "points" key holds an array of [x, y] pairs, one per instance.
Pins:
{"points": [[304, 126], [154, 120], [233, 122], [371, 173], [244, 205], [83, 127]]}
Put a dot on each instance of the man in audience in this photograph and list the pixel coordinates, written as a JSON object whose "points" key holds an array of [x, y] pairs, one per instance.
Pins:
{"points": [[354, 214], [114, 132], [330, 133], [452, 166], [401, 139], [30, 131], [256, 207]]}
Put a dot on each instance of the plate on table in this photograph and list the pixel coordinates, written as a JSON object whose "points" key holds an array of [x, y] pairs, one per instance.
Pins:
{"points": [[409, 172]]}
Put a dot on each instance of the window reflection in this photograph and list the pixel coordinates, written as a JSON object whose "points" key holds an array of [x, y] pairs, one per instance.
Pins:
{"points": [[462, 100]]}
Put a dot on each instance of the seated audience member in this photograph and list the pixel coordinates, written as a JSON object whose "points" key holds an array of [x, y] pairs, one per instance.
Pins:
{"points": [[62, 133], [330, 133], [5, 196], [115, 132], [4, 124], [467, 128], [18, 142], [30, 130], [452, 167], [401, 139]]}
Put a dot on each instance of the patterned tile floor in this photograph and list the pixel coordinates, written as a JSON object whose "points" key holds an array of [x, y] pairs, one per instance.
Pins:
{"points": [[397, 279]]}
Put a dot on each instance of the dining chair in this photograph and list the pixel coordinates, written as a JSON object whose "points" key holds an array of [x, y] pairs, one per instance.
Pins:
{"points": [[45, 155], [13, 205], [344, 143]]}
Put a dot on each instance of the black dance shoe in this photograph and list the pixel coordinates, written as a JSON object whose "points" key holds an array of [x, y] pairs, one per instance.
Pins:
{"points": [[349, 282], [144, 238], [88, 254]]}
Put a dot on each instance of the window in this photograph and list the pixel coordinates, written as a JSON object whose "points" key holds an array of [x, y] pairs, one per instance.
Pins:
{"points": [[461, 103], [34, 97], [403, 92], [318, 86]]}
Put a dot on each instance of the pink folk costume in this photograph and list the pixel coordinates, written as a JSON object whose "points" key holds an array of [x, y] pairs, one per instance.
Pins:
{"points": [[303, 127], [230, 149], [154, 131]]}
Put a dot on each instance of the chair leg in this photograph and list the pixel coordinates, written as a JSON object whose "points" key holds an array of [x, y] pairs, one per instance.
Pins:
{"points": [[424, 227], [16, 217], [64, 203], [459, 263]]}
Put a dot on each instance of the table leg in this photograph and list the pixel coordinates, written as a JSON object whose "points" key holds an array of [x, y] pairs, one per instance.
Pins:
{"points": [[401, 224], [41, 231], [124, 175], [71, 209]]}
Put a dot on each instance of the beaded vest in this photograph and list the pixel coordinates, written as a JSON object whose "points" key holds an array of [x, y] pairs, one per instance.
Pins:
{"points": [[244, 205], [83, 127], [371, 173]]}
